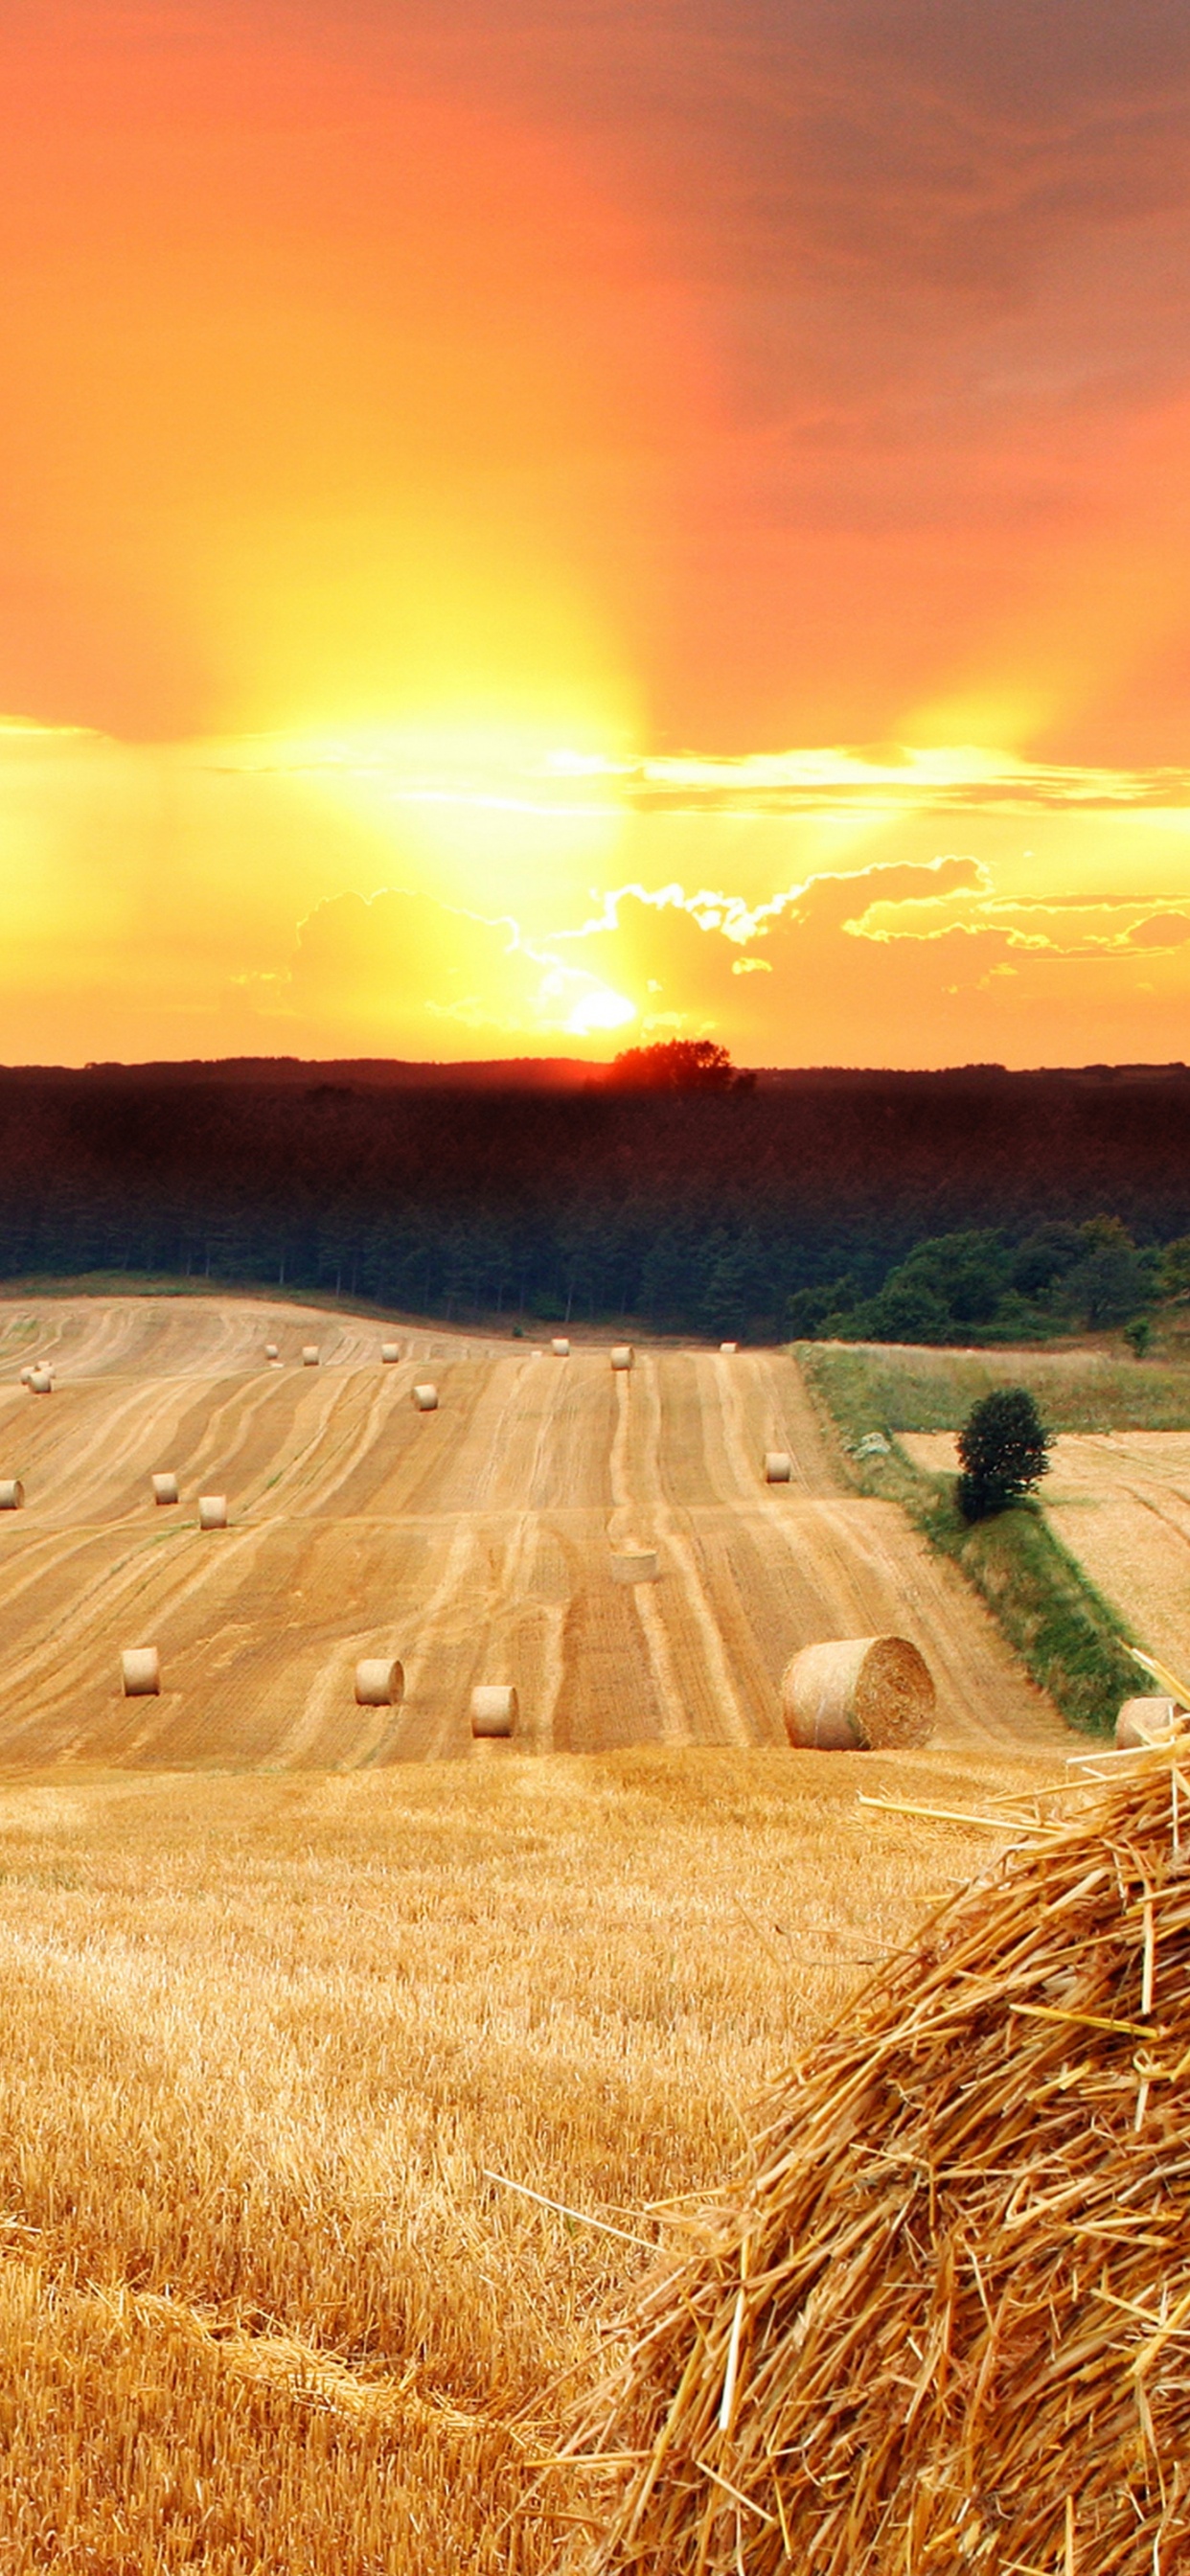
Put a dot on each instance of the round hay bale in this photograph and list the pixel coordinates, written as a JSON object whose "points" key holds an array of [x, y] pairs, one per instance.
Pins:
{"points": [[494, 1709], [560, 1347], [41, 1382], [379, 1682], [271, 1351], [26, 1374], [778, 1467], [729, 1349], [140, 1671], [309, 1355], [1148, 1721], [932, 2322], [635, 1565], [12, 1493], [425, 1398], [390, 1351], [165, 1489], [212, 1511], [623, 1356], [858, 1694]]}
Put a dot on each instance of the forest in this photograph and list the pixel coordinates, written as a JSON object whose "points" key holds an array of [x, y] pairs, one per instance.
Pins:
{"points": [[962, 1205]]}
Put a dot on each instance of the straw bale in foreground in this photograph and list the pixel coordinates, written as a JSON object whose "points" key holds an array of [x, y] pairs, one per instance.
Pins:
{"points": [[853, 1694], [12, 1494], [944, 2327]]}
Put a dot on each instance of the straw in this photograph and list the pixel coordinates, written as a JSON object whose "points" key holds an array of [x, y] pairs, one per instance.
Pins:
{"points": [[941, 2321]]}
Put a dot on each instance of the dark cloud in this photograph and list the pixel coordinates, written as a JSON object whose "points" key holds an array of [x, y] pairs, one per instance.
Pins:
{"points": [[911, 138]]}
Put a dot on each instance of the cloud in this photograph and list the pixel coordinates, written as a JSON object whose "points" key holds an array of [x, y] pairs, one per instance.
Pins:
{"points": [[890, 778], [402, 972]]}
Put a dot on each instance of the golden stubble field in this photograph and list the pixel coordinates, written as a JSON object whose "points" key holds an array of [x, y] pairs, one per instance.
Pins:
{"points": [[260, 2307], [1120, 1501], [270, 2026]]}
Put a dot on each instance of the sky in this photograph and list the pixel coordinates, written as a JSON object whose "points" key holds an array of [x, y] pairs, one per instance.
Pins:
{"points": [[528, 530]]}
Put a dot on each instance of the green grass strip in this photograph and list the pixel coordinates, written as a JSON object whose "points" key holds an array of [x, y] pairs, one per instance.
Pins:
{"points": [[1068, 1637]]}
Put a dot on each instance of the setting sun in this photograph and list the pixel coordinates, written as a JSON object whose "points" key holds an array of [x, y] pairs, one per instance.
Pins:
{"points": [[435, 482]]}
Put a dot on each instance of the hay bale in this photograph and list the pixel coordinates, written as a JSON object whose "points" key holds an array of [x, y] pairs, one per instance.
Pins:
{"points": [[560, 1347], [425, 1398], [858, 1693], [271, 1351], [379, 1682], [1148, 1721], [41, 1381], [495, 1709], [635, 1565], [310, 1355], [623, 1355], [729, 1349], [390, 1351], [778, 1467], [937, 2322], [212, 1511], [165, 1489], [140, 1671], [26, 1374], [12, 1494]]}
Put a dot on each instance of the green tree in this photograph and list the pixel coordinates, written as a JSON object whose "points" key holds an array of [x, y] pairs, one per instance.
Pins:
{"points": [[1111, 1278], [908, 1309], [1173, 1269], [1003, 1452]]}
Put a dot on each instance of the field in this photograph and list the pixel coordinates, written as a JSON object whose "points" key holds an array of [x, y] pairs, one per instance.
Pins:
{"points": [[474, 1542], [914, 1389], [1120, 1502], [285, 1983]]}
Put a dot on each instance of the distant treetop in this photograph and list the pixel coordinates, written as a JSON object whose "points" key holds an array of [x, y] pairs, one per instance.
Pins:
{"points": [[678, 1064]]}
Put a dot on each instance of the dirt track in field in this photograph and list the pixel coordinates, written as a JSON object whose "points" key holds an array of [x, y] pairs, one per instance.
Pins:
{"points": [[474, 1542]]}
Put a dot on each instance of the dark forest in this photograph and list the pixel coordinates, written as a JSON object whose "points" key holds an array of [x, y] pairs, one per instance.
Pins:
{"points": [[796, 1202]]}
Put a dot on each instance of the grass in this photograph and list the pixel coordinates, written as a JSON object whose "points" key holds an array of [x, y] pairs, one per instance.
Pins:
{"points": [[1070, 1639], [260, 2309], [934, 1390]]}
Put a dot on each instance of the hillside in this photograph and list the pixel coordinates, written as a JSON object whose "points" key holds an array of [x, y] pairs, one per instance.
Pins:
{"points": [[474, 1542]]}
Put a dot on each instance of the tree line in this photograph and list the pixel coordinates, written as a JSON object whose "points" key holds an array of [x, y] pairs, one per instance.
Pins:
{"points": [[923, 1207]]}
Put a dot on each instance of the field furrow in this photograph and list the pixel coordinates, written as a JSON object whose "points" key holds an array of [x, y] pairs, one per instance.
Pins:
{"points": [[475, 1542]]}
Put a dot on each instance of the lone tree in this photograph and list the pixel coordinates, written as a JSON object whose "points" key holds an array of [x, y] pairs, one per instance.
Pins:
{"points": [[1003, 1451], [678, 1064]]}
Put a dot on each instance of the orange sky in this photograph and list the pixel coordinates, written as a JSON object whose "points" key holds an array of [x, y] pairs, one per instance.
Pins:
{"points": [[524, 529]]}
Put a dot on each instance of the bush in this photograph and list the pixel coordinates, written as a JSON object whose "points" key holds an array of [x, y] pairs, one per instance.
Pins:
{"points": [[1003, 1451]]}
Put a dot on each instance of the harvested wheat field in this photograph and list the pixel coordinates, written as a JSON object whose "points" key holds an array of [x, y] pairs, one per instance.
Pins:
{"points": [[266, 2040], [1120, 1501], [304, 1999], [475, 1542]]}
